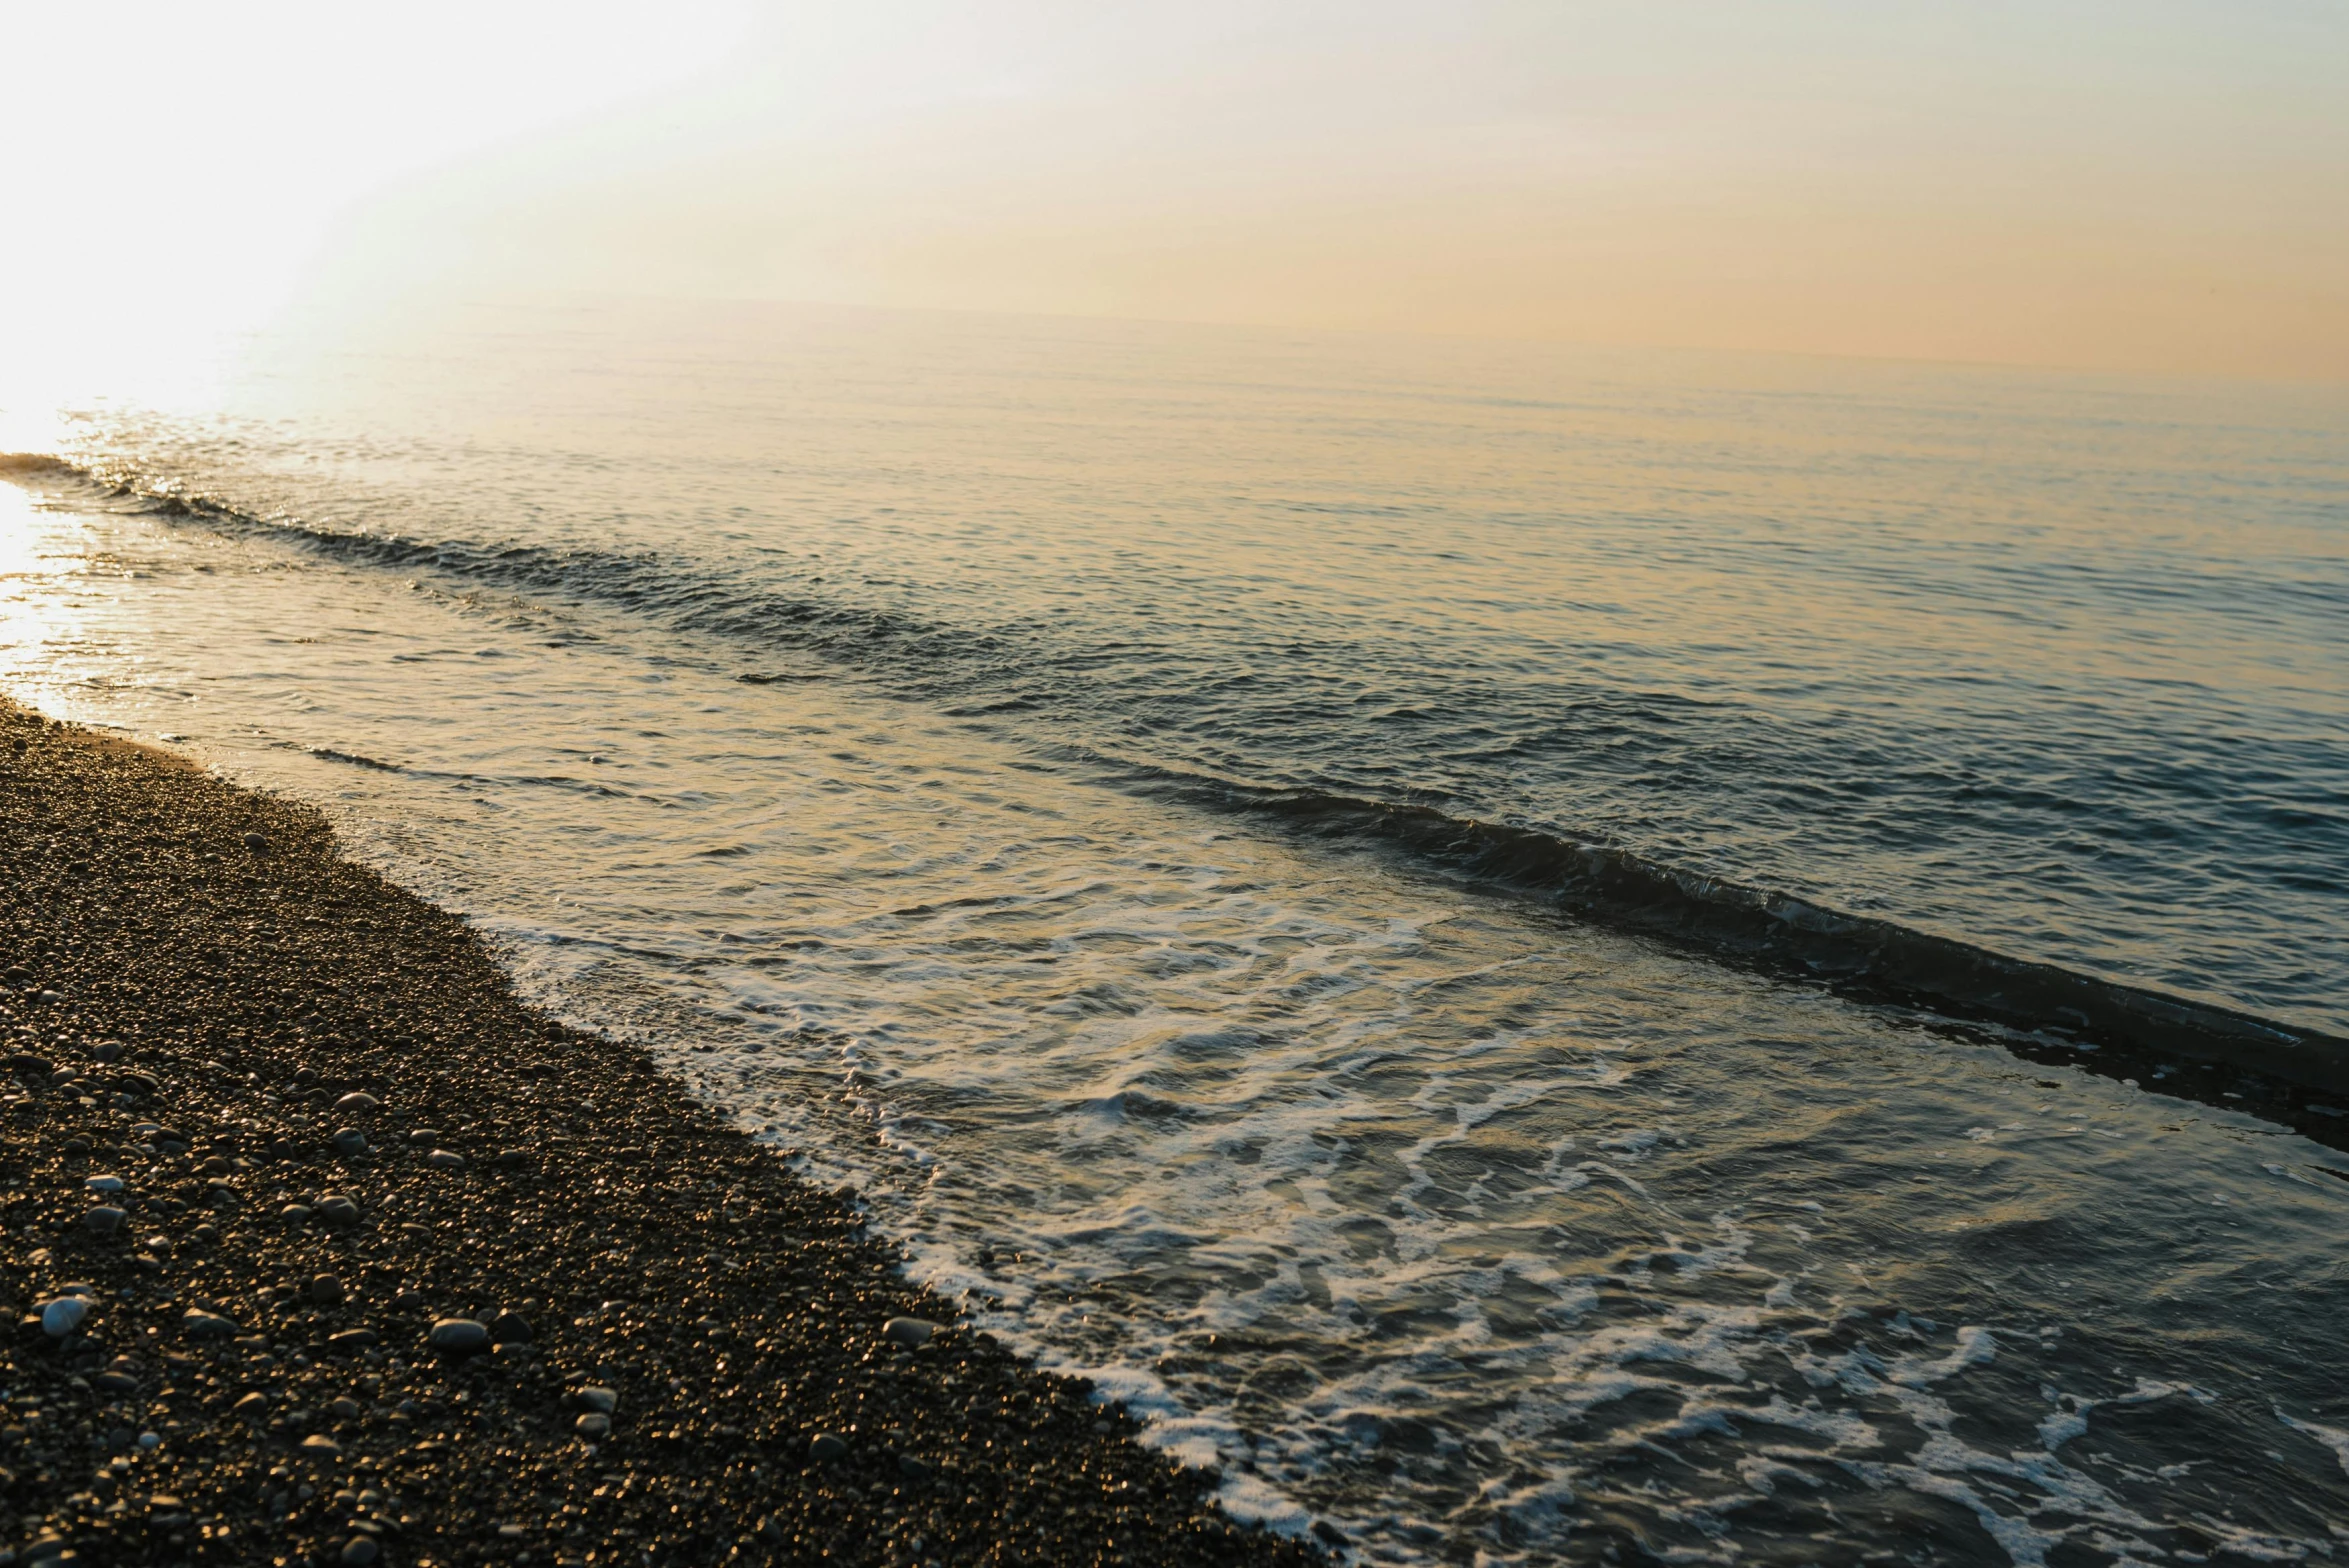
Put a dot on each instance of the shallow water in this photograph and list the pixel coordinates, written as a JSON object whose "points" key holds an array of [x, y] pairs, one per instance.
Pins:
{"points": [[1469, 1229]]}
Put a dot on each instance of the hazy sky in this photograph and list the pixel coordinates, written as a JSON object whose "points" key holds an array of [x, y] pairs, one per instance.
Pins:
{"points": [[2159, 184]]}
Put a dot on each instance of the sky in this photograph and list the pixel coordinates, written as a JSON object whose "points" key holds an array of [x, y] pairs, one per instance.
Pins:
{"points": [[2155, 185]]}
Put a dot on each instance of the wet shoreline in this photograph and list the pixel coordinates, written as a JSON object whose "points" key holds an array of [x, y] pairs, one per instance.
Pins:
{"points": [[338, 1137]]}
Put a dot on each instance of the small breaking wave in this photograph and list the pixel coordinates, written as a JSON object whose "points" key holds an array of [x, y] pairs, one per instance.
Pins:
{"points": [[38, 465], [353, 758], [1858, 955]]}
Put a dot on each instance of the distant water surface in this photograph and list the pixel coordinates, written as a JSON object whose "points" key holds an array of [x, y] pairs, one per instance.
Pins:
{"points": [[807, 692]]}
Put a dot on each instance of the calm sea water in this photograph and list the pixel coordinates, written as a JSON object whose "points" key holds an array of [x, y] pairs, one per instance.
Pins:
{"points": [[961, 744]]}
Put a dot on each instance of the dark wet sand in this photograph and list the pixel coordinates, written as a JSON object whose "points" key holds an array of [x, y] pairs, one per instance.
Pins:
{"points": [[253, 1382]]}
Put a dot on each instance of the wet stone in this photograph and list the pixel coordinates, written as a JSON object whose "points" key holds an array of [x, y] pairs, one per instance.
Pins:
{"points": [[592, 1425], [63, 1315], [912, 1333], [459, 1336], [200, 1324], [825, 1447], [349, 1142], [357, 1103]]}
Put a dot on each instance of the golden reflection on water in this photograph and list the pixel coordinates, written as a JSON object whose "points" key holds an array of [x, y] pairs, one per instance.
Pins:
{"points": [[42, 627]]}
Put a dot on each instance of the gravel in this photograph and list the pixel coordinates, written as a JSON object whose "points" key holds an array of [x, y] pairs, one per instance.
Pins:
{"points": [[220, 1379]]}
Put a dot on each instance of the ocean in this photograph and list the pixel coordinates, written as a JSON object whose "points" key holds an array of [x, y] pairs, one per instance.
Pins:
{"points": [[1543, 954]]}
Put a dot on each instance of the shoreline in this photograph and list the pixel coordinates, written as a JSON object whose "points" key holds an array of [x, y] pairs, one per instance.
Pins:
{"points": [[278, 1127]]}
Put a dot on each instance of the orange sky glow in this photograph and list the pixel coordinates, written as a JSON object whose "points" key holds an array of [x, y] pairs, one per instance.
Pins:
{"points": [[2156, 186]]}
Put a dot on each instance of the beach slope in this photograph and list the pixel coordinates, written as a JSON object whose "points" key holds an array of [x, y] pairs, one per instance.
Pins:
{"points": [[319, 1245]]}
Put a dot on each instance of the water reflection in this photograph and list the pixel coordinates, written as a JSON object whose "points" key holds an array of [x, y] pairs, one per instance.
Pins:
{"points": [[1472, 1232]]}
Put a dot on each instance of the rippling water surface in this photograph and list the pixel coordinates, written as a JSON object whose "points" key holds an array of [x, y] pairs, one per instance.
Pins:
{"points": [[808, 694]]}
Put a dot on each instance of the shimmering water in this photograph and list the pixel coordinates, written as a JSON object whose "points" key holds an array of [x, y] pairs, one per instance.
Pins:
{"points": [[875, 713]]}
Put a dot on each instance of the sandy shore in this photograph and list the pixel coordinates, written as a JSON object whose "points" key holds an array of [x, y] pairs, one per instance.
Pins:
{"points": [[274, 1128]]}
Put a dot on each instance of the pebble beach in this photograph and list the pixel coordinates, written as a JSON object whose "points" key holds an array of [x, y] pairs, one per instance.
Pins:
{"points": [[321, 1248]]}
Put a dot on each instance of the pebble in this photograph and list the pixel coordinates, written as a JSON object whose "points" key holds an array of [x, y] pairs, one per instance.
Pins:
{"points": [[352, 1339], [295, 1214], [445, 1159], [357, 1103], [326, 1290], [459, 1336], [336, 1209], [62, 1316], [196, 1323], [350, 1141], [912, 1333], [104, 1221], [258, 843], [252, 1405], [825, 1447], [345, 1408], [360, 1550], [603, 1401], [320, 1445], [107, 1184], [592, 1425], [510, 1328]]}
